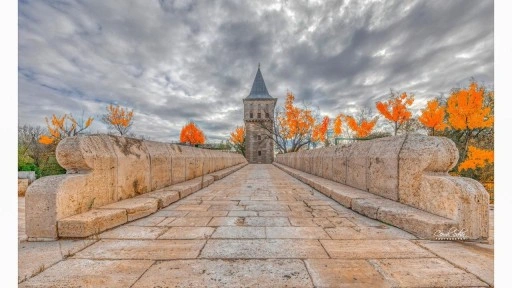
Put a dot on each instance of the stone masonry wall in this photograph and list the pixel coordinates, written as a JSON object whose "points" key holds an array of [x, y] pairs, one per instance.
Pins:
{"points": [[411, 169], [103, 169]]}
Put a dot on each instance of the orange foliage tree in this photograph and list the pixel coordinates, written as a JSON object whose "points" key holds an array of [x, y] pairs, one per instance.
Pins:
{"points": [[477, 158], [395, 109], [293, 126], [118, 119], [319, 133], [237, 139], [61, 127], [337, 125], [191, 134], [363, 127], [468, 112], [432, 117]]}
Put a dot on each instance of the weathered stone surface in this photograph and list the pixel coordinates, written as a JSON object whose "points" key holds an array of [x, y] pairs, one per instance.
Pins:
{"points": [[226, 273], [266, 183], [373, 249], [165, 197], [296, 233], [91, 222], [133, 232], [178, 163], [147, 221], [368, 232], [105, 169], [188, 233], [344, 273], [357, 165], [423, 224], [473, 257], [22, 187], [327, 161], [238, 232], [96, 155], [263, 248], [411, 169], [425, 184], [142, 249], [188, 221], [133, 167], [383, 166], [136, 207], [30, 175], [160, 164], [35, 256], [427, 272], [91, 273]]}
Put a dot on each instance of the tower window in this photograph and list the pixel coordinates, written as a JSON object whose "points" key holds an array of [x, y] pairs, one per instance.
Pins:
{"points": [[251, 115], [259, 137], [259, 115], [267, 115], [259, 153]]}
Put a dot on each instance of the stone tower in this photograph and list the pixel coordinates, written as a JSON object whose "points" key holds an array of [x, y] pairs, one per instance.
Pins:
{"points": [[259, 122]]}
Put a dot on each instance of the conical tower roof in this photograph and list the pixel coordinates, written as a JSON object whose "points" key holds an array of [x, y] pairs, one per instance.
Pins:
{"points": [[259, 89]]}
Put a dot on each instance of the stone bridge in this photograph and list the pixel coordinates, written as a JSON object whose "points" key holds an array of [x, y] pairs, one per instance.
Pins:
{"points": [[135, 213]]}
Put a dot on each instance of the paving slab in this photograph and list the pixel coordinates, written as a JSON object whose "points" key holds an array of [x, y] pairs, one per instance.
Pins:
{"points": [[473, 257], [263, 248], [91, 273], [372, 249], [226, 273], [188, 233], [344, 273], [133, 232], [147, 221], [33, 257], [239, 232], [186, 221], [296, 233], [142, 249], [426, 272]]}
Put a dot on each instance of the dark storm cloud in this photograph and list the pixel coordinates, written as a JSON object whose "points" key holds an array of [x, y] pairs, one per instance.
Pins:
{"points": [[179, 61]]}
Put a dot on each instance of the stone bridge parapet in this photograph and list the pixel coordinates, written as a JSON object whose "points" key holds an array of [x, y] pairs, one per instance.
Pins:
{"points": [[106, 169], [411, 170]]}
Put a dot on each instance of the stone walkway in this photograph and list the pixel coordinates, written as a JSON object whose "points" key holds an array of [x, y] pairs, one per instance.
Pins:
{"points": [[256, 227]]}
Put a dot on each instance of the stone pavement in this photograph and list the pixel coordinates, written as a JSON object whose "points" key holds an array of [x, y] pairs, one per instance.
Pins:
{"points": [[256, 227]]}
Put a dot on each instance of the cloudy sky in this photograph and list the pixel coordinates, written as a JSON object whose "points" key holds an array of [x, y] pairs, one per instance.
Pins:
{"points": [[176, 61]]}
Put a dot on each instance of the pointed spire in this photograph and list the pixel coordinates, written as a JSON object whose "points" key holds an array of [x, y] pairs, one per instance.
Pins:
{"points": [[259, 89]]}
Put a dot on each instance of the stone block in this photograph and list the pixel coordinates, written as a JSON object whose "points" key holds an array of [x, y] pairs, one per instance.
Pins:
{"points": [[424, 183], [22, 187], [339, 164], [165, 197], [357, 165], [94, 158], [91, 222], [136, 207], [50, 199], [178, 165], [160, 160], [316, 164], [383, 166], [133, 167], [327, 160], [30, 175]]}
